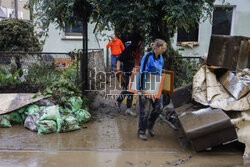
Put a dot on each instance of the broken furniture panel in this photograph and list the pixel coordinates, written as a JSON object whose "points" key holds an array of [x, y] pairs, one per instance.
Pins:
{"points": [[236, 87], [244, 55], [207, 127], [228, 52], [182, 95]]}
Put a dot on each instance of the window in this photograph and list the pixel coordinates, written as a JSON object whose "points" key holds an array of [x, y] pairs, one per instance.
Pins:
{"points": [[74, 31], [222, 20], [191, 36]]}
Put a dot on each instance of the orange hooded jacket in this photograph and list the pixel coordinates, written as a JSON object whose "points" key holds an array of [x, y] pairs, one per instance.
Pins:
{"points": [[116, 46]]}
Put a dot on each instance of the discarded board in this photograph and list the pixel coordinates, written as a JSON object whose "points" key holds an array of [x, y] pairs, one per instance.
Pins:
{"points": [[182, 95], [207, 127], [236, 87], [229, 52], [12, 101], [168, 86]]}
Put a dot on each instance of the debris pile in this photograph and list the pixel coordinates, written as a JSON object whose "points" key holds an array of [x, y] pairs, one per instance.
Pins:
{"points": [[220, 87]]}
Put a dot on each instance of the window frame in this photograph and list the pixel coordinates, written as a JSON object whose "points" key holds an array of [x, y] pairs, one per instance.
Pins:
{"points": [[233, 17], [194, 43], [72, 35]]}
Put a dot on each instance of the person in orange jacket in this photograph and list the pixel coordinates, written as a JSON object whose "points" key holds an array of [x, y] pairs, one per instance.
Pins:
{"points": [[116, 49]]}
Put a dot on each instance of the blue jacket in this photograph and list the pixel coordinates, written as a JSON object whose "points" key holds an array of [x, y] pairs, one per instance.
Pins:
{"points": [[153, 66]]}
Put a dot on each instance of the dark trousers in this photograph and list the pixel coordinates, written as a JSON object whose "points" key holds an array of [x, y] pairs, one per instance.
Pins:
{"points": [[125, 93], [149, 112]]}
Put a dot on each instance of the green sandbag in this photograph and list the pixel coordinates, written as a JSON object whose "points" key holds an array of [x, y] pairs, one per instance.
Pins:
{"points": [[46, 126], [32, 109], [23, 116], [21, 110], [4, 122], [67, 123], [65, 111], [75, 103], [15, 117], [82, 116], [50, 113]]}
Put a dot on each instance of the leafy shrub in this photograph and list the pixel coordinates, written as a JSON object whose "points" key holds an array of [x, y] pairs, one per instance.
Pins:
{"points": [[65, 87], [6, 77], [184, 68], [42, 74], [59, 86], [18, 35]]}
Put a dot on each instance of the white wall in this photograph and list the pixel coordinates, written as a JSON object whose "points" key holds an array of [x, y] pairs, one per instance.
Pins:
{"points": [[240, 26], [58, 42]]}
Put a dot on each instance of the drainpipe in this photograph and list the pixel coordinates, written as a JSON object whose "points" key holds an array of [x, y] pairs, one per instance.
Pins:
{"points": [[16, 9]]}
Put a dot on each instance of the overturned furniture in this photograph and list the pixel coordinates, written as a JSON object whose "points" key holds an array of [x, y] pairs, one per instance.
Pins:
{"points": [[230, 52], [207, 127], [202, 127]]}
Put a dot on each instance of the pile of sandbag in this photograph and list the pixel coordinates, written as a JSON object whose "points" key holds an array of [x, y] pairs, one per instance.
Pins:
{"points": [[46, 118]]}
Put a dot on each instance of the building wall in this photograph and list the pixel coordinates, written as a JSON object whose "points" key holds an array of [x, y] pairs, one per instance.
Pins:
{"points": [[240, 26], [8, 6], [58, 42]]}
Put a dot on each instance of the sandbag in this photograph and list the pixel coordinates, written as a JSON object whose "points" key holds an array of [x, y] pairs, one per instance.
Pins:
{"points": [[23, 116], [64, 111], [75, 103], [30, 121], [82, 116], [67, 123], [46, 126], [4, 121], [32, 109], [15, 117], [22, 111], [44, 102], [50, 113]]}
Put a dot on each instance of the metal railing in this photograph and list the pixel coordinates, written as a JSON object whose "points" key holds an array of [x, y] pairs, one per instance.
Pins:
{"points": [[55, 61]]}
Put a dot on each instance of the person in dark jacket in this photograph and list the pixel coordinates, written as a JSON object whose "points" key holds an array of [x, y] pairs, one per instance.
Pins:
{"points": [[150, 109], [128, 57]]}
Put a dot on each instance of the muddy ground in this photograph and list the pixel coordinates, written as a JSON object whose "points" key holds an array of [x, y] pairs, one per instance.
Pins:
{"points": [[109, 140]]}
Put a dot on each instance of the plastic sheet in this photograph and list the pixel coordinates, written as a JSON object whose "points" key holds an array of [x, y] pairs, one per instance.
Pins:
{"points": [[30, 121]]}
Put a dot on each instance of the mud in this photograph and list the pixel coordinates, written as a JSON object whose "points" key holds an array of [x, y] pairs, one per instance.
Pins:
{"points": [[109, 140]]}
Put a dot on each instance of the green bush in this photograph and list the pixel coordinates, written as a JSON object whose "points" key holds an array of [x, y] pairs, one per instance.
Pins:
{"points": [[59, 86], [18, 35], [184, 68], [6, 77], [42, 74]]}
